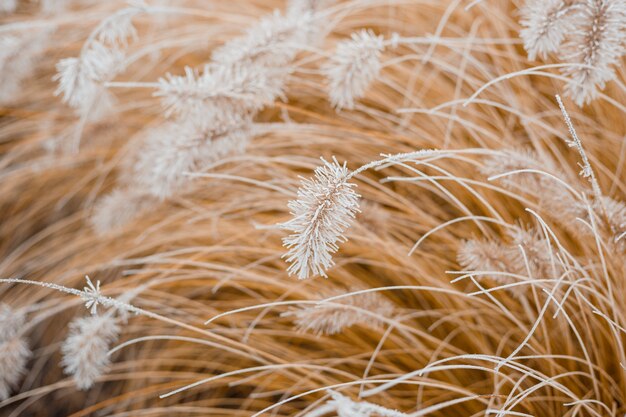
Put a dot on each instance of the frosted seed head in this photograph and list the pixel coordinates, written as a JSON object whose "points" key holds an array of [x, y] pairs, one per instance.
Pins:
{"points": [[273, 42], [546, 25], [222, 93], [335, 316], [11, 322], [325, 208], [597, 45], [118, 28], [14, 355], [160, 168], [354, 65], [85, 350], [80, 79], [118, 208], [8, 6]]}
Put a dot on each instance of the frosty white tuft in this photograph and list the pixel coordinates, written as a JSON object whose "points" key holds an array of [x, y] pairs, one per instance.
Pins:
{"points": [[221, 91], [546, 24], [14, 351], [343, 406], [325, 208], [80, 79], [85, 351], [355, 64], [335, 316], [597, 45], [273, 42]]}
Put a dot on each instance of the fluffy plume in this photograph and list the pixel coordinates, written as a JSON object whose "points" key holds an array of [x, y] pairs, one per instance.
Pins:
{"points": [[546, 25], [17, 60], [616, 216], [80, 79], [330, 318], [214, 109], [355, 64], [158, 169], [8, 6], [343, 406], [221, 92], [176, 149], [85, 349], [273, 42], [14, 354], [118, 208], [118, 28], [598, 43], [554, 197], [14, 351], [489, 256], [325, 208], [374, 216], [538, 259], [11, 322], [53, 6], [537, 251], [297, 7], [508, 160]]}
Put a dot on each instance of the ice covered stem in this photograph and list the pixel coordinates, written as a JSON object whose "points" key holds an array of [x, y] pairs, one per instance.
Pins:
{"points": [[324, 210], [587, 170], [14, 351], [92, 295]]}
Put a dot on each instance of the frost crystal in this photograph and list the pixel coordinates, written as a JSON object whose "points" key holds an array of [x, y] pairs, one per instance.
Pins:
{"points": [[92, 295]]}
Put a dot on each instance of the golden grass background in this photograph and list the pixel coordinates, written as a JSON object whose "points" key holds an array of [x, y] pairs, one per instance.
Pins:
{"points": [[205, 253]]}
